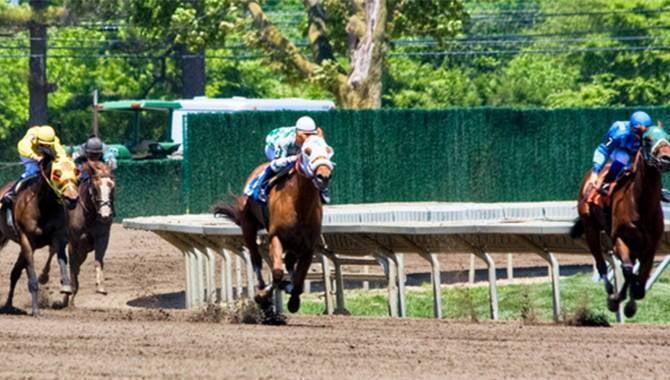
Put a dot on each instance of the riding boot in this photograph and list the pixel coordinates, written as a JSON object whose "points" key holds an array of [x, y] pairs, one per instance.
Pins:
{"points": [[264, 181], [8, 198]]}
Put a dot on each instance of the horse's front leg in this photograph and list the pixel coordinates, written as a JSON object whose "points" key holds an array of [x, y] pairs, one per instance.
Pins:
{"points": [[101, 243], [276, 256], [304, 262], [638, 287], [59, 247]]}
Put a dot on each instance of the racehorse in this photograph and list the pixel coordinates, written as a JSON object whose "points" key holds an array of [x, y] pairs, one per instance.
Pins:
{"points": [[294, 214], [37, 220], [633, 221], [89, 226]]}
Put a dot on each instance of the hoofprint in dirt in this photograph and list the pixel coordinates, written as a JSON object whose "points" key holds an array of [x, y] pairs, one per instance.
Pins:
{"points": [[127, 343], [137, 264]]}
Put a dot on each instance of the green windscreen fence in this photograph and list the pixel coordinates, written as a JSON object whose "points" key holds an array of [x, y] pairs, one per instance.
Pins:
{"points": [[150, 187], [478, 155]]}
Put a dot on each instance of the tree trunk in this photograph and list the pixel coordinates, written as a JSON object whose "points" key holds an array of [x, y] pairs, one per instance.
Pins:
{"points": [[37, 82], [366, 29], [192, 72]]}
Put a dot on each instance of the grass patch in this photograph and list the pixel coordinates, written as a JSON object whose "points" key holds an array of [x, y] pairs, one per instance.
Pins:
{"points": [[582, 301]]}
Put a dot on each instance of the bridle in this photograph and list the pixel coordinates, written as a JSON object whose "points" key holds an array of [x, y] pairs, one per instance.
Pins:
{"points": [[92, 196]]}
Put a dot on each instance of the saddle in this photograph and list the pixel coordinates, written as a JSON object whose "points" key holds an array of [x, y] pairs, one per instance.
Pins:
{"points": [[7, 208], [273, 181]]}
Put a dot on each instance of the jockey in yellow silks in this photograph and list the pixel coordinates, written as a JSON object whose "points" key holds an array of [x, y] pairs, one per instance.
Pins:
{"points": [[29, 151]]}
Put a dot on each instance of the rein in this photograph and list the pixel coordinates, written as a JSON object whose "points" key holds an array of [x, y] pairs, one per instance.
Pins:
{"points": [[57, 191]]}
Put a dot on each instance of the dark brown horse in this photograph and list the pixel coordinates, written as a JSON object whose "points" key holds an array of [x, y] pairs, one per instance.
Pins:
{"points": [[294, 221], [89, 225], [633, 222], [39, 220]]}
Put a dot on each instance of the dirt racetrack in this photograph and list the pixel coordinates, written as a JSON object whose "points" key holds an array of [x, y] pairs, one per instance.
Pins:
{"points": [[104, 336]]}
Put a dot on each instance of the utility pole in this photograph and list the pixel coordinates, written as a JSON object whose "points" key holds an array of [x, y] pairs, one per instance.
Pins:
{"points": [[96, 131], [38, 86]]}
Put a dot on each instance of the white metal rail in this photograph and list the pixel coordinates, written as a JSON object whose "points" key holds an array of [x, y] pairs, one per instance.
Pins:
{"points": [[386, 231]]}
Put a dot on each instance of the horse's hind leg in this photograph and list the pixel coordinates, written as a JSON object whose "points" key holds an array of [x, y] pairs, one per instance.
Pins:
{"points": [[299, 276], [592, 237], [33, 284], [14, 278], [44, 276], [624, 253], [256, 259], [65, 282], [77, 258]]}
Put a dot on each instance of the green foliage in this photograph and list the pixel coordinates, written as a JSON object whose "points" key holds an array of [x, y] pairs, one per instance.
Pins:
{"points": [[439, 19], [195, 24]]}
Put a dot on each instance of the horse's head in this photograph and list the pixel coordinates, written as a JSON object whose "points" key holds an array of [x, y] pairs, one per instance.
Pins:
{"points": [[63, 180], [101, 189], [657, 148], [315, 160]]}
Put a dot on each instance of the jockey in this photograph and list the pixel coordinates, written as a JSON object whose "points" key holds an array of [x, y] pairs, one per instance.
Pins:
{"points": [[37, 137], [93, 150], [620, 146], [282, 148]]}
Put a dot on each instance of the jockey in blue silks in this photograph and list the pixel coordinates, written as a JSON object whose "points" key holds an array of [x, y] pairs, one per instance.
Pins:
{"points": [[620, 146], [283, 149]]}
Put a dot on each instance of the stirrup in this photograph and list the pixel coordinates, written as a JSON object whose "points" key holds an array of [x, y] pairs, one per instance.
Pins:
{"points": [[665, 195], [325, 196]]}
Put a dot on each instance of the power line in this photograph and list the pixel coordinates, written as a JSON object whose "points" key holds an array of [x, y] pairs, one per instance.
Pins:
{"points": [[530, 51]]}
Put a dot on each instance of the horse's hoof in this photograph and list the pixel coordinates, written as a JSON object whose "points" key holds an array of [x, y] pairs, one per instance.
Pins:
{"points": [[263, 300], [66, 289], [637, 291], [43, 279], [101, 290], [613, 304], [274, 319], [294, 304], [9, 309], [630, 309]]}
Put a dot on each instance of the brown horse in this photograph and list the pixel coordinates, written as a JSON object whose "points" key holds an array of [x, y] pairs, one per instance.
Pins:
{"points": [[39, 220], [294, 214], [89, 225], [633, 222]]}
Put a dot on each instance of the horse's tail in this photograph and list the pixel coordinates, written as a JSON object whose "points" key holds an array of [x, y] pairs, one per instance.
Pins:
{"points": [[232, 211], [577, 229]]}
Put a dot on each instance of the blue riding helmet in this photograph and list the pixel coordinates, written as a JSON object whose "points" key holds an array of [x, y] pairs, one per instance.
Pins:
{"points": [[640, 118]]}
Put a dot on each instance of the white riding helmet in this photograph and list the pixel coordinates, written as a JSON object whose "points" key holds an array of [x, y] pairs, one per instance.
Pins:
{"points": [[306, 125]]}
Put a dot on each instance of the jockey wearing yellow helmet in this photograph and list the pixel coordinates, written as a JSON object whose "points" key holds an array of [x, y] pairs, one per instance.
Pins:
{"points": [[29, 150]]}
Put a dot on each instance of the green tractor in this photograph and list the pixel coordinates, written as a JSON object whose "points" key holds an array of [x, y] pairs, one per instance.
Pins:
{"points": [[138, 148]]}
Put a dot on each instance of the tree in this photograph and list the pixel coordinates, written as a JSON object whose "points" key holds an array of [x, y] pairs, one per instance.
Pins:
{"points": [[355, 29], [35, 18]]}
